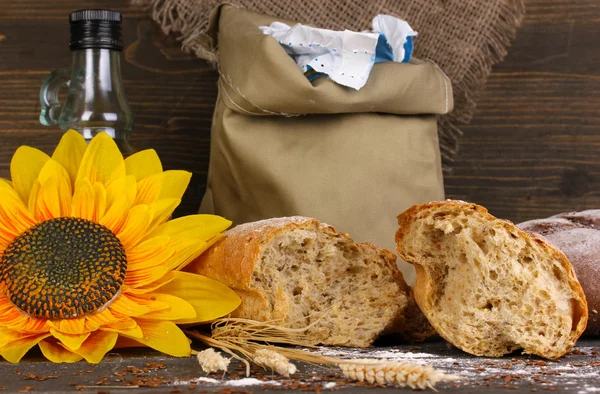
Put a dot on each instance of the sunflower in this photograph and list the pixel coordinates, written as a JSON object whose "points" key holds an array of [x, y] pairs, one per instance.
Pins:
{"points": [[89, 259]]}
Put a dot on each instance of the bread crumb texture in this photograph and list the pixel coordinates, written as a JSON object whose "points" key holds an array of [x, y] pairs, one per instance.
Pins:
{"points": [[346, 292], [488, 287]]}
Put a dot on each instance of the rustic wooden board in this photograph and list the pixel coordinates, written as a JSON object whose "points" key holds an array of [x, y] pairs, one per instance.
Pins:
{"points": [[530, 151], [576, 373]]}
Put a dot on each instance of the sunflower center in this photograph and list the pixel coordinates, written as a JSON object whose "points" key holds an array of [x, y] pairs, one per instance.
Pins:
{"points": [[63, 268]]}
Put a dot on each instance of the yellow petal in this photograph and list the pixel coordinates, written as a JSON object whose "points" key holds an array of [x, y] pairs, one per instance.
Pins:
{"points": [[161, 210], [97, 345], [99, 201], [56, 353], [125, 306], [143, 164], [14, 215], [25, 167], [7, 335], [102, 161], [151, 287], [69, 152], [150, 253], [177, 308], [133, 331], [168, 184], [210, 299], [120, 196], [145, 276], [197, 226], [135, 226], [102, 318], [71, 342], [14, 351], [175, 183], [69, 326], [53, 198], [186, 251], [165, 337], [83, 203]]}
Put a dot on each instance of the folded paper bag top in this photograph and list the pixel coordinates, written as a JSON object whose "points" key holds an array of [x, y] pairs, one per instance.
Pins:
{"points": [[260, 78]]}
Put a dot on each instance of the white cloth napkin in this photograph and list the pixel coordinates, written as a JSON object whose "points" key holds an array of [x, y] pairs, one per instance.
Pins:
{"points": [[345, 56]]}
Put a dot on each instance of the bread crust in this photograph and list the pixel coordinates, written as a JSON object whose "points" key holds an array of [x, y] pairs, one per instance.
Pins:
{"points": [[232, 261], [424, 286]]}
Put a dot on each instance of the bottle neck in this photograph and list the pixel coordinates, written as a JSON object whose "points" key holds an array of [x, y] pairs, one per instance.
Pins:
{"points": [[97, 69]]}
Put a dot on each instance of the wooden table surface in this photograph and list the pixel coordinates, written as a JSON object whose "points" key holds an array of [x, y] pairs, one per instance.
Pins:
{"points": [[531, 151], [576, 373]]}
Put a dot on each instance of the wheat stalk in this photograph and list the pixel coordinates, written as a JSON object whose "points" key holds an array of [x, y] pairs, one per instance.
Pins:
{"points": [[249, 340]]}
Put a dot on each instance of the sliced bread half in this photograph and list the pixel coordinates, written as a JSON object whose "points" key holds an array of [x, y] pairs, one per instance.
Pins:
{"points": [[488, 287], [299, 272]]}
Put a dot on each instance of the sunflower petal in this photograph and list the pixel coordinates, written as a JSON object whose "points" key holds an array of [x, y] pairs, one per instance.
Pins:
{"points": [[120, 196], [126, 306], [165, 337], [56, 353], [198, 226], [14, 351], [210, 299], [126, 326], [99, 201], [102, 318], [161, 210], [82, 205], [150, 253], [143, 164], [71, 342], [177, 307], [25, 167], [149, 287], [168, 184], [145, 276], [97, 345], [69, 326], [14, 215], [175, 183], [102, 161], [135, 226], [7, 336], [69, 152]]}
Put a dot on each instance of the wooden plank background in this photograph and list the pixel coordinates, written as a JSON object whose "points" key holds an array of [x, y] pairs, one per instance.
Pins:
{"points": [[531, 151]]}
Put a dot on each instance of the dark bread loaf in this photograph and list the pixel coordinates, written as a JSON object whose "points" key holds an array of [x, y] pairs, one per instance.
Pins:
{"points": [[577, 235]]}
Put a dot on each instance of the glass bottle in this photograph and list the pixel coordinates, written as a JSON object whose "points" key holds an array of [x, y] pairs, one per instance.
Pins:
{"points": [[96, 98]]}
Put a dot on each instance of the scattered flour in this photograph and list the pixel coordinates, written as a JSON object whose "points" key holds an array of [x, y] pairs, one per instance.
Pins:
{"points": [[473, 369], [232, 383]]}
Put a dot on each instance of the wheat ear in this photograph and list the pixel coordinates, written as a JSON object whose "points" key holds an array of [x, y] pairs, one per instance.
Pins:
{"points": [[274, 361], [211, 361], [394, 373]]}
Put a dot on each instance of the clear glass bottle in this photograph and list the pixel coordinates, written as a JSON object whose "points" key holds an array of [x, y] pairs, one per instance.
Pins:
{"points": [[96, 98]]}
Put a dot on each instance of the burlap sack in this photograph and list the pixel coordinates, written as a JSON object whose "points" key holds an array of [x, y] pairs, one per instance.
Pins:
{"points": [[282, 146]]}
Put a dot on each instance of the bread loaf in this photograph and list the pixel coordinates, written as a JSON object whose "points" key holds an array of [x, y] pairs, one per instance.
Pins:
{"points": [[577, 235], [488, 287], [297, 272]]}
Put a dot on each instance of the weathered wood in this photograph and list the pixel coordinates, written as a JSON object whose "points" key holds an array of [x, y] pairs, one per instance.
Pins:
{"points": [[530, 151]]}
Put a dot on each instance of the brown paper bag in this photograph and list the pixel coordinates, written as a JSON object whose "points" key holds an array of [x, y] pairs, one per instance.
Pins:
{"points": [[284, 146]]}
